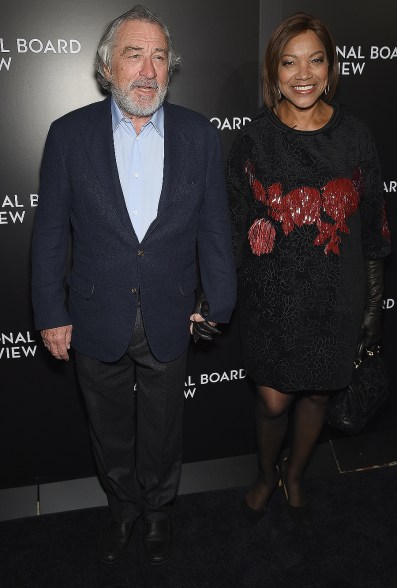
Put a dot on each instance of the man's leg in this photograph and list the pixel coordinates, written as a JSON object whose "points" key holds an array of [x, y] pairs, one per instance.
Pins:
{"points": [[108, 392], [160, 401]]}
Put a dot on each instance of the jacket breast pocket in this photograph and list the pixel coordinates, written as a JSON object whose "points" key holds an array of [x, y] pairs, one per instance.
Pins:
{"points": [[81, 286]]}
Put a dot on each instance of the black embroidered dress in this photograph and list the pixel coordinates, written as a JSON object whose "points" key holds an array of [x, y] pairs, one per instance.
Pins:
{"points": [[307, 210]]}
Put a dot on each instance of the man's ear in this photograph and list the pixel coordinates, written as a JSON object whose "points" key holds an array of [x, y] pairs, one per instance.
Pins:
{"points": [[107, 71]]}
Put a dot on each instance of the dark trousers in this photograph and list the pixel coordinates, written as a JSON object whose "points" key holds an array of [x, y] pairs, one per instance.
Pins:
{"points": [[137, 442]]}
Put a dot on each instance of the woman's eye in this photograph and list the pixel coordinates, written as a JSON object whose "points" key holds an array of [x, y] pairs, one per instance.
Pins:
{"points": [[286, 63]]}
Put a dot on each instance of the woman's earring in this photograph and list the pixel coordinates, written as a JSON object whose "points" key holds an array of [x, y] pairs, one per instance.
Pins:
{"points": [[326, 90], [279, 93]]}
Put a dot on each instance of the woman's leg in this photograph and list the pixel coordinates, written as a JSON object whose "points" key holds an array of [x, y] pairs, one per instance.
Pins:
{"points": [[309, 419], [271, 426]]}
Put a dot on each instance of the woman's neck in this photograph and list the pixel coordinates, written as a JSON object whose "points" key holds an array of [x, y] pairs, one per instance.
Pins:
{"points": [[307, 119]]}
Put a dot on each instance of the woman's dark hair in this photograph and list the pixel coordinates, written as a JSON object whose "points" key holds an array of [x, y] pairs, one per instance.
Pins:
{"points": [[291, 27]]}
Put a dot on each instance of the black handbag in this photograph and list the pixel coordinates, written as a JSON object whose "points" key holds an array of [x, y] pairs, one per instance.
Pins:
{"points": [[351, 409]]}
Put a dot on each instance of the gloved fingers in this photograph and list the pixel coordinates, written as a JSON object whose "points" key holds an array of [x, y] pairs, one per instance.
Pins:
{"points": [[201, 336], [367, 341], [203, 330], [206, 327], [199, 333], [361, 343], [360, 349], [372, 336]]}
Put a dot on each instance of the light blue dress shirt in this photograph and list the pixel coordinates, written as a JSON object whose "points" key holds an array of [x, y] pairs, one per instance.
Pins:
{"points": [[140, 163]]}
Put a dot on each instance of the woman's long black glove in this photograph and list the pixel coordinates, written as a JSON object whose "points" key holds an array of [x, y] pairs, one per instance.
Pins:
{"points": [[370, 333]]}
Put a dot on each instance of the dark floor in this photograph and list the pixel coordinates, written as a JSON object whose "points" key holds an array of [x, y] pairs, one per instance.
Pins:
{"points": [[349, 542]]}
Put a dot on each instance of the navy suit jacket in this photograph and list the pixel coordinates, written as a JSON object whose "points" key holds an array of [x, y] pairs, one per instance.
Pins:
{"points": [[80, 188]]}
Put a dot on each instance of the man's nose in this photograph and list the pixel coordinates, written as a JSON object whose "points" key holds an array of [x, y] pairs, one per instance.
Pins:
{"points": [[147, 70]]}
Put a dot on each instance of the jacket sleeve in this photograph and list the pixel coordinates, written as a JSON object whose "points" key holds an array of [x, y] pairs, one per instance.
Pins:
{"points": [[214, 243], [51, 232]]}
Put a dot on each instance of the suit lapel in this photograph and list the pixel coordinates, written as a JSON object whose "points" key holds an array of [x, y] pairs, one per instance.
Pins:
{"points": [[100, 149], [176, 151]]}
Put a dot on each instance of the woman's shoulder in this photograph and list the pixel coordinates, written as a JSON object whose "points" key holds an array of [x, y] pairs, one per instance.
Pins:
{"points": [[260, 119], [255, 128], [352, 122]]}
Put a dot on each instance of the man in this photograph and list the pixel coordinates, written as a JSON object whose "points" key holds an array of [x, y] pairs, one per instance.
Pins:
{"points": [[141, 184]]}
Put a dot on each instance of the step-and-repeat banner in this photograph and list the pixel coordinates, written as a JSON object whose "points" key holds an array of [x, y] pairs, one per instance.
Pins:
{"points": [[47, 52]]}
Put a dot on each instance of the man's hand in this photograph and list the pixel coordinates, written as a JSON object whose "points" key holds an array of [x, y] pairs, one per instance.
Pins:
{"points": [[57, 341], [200, 328]]}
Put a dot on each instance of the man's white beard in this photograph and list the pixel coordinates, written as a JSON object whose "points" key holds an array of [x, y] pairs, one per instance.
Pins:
{"points": [[139, 107]]}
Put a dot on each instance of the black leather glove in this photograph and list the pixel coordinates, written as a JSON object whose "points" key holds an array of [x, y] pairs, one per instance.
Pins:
{"points": [[203, 330], [371, 326]]}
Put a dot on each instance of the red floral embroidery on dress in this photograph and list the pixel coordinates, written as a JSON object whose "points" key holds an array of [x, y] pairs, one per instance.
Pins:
{"points": [[338, 199], [299, 207], [261, 236]]}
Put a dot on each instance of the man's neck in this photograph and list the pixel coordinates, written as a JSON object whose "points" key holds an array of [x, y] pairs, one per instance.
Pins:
{"points": [[137, 121]]}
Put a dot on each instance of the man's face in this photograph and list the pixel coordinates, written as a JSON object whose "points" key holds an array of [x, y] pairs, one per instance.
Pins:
{"points": [[139, 69]]}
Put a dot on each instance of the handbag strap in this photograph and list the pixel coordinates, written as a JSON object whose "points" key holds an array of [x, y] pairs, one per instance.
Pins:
{"points": [[369, 352]]}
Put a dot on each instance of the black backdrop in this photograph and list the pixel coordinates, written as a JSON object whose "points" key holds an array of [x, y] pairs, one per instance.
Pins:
{"points": [[46, 56]]}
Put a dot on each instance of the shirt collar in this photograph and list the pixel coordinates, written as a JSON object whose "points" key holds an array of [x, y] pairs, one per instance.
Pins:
{"points": [[157, 119]]}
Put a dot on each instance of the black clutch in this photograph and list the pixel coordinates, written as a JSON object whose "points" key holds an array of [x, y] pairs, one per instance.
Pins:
{"points": [[352, 408]]}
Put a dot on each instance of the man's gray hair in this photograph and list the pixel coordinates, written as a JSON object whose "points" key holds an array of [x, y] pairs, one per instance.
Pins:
{"points": [[108, 41]]}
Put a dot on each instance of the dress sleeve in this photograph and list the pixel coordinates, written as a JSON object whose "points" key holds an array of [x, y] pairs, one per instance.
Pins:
{"points": [[238, 193], [375, 231]]}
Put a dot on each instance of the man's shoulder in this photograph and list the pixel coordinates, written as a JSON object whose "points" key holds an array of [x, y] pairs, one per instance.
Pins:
{"points": [[84, 113], [188, 117]]}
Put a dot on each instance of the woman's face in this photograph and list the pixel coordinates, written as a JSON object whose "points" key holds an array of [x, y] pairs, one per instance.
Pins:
{"points": [[303, 70]]}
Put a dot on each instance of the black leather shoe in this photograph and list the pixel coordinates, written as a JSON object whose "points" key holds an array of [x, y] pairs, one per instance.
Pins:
{"points": [[115, 540], [158, 540]]}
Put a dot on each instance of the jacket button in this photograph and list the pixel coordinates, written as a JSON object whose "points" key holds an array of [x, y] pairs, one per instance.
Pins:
{"points": [[134, 290], [141, 253]]}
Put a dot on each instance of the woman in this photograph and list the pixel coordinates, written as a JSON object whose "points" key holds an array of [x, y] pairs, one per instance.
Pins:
{"points": [[309, 236]]}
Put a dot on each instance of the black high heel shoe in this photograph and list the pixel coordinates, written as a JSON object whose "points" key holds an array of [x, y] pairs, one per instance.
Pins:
{"points": [[251, 516], [298, 512]]}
